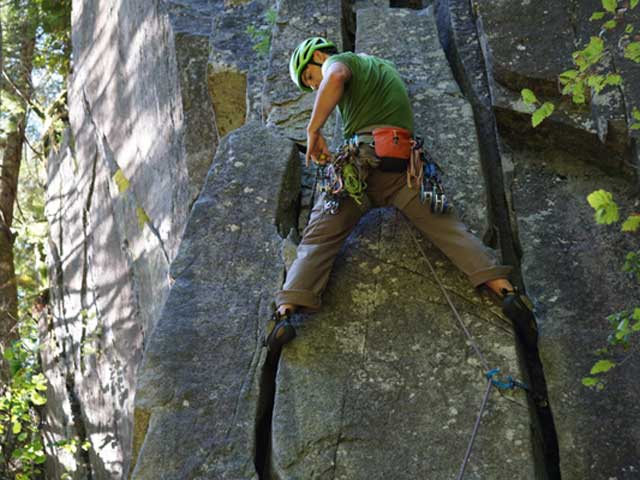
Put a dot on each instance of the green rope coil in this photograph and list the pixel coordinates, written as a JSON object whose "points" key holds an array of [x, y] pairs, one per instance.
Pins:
{"points": [[352, 184]]}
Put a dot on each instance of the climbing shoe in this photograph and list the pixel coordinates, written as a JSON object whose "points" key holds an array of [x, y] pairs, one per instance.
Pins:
{"points": [[518, 308], [281, 334]]}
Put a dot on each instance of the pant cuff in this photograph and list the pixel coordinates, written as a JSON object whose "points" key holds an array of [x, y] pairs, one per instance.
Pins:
{"points": [[493, 273], [301, 298]]}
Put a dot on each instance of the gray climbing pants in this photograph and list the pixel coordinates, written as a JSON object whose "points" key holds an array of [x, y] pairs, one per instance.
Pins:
{"points": [[324, 235]]}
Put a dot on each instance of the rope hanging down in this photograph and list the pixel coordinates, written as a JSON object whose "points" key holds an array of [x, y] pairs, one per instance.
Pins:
{"points": [[490, 374]]}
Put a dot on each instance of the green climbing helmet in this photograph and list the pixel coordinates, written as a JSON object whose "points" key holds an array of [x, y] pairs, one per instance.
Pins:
{"points": [[302, 56]]}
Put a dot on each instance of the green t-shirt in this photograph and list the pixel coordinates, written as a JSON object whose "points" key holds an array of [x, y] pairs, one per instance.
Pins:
{"points": [[374, 95]]}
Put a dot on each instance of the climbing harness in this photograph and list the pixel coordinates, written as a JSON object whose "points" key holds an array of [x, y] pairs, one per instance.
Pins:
{"points": [[491, 375], [345, 175]]}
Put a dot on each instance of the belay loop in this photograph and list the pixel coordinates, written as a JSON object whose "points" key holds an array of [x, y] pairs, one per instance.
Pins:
{"points": [[423, 170]]}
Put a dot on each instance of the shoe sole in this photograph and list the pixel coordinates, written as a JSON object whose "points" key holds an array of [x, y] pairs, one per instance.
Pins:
{"points": [[281, 334]]}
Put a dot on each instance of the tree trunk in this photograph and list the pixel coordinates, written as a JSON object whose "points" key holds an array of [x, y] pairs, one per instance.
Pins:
{"points": [[10, 159]]}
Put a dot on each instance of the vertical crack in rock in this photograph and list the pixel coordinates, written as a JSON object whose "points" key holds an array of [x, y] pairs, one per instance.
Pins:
{"points": [[461, 37], [264, 415], [286, 220], [339, 437], [58, 287], [112, 165], [348, 25], [85, 260], [78, 423]]}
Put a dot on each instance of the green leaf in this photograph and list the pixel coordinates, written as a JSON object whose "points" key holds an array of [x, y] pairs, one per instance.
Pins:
{"points": [[623, 329], [632, 51], [609, 5], [541, 113], [566, 77], [613, 79], [634, 3], [590, 55], [607, 215], [568, 88], [606, 209], [528, 96], [636, 114], [590, 381], [121, 181], [16, 427], [38, 399], [602, 366], [596, 82], [597, 16], [632, 223], [578, 93], [26, 281], [70, 447], [629, 29], [39, 381], [610, 25]]}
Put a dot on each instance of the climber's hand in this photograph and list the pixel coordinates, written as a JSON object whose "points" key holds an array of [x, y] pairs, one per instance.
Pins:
{"points": [[317, 149]]}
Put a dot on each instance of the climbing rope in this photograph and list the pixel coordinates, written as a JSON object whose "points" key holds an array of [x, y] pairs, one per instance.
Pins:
{"points": [[491, 374], [352, 183], [473, 343]]}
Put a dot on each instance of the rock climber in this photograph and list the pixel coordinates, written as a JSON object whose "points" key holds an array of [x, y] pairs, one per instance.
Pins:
{"points": [[371, 96]]}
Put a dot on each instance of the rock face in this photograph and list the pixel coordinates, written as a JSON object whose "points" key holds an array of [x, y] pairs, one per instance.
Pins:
{"points": [[199, 389], [142, 138], [570, 266], [176, 202], [385, 322], [535, 59], [575, 292]]}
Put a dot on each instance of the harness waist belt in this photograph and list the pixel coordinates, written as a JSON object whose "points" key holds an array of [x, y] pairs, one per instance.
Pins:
{"points": [[392, 165]]}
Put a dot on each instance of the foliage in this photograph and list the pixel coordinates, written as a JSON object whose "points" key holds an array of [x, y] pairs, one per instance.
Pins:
{"points": [[19, 419], [625, 324], [580, 83], [587, 77], [261, 35], [542, 112], [49, 21]]}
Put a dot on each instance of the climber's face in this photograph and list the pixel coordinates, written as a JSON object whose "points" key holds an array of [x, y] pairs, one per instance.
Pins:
{"points": [[312, 74]]}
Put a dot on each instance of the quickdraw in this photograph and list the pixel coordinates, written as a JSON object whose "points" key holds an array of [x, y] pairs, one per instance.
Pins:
{"points": [[427, 175]]}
